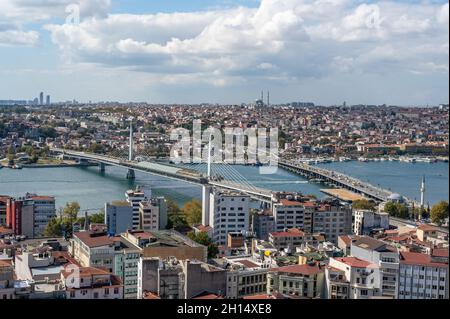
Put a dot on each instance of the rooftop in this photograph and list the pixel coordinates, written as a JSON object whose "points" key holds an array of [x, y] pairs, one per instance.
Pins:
{"points": [[410, 258], [299, 269], [356, 262], [92, 239]]}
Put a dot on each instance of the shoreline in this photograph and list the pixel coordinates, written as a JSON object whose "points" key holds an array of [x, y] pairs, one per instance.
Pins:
{"points": [[51, 165]]}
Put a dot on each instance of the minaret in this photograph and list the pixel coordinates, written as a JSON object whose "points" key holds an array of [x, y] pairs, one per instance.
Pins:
{"points": [[268, 98], [422, 193], [262, 96]]}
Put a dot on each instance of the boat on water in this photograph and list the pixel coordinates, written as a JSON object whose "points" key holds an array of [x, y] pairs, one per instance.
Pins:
{"points": [[17, 166]]}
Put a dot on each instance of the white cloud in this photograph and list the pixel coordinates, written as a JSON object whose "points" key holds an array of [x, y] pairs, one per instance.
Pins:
{"points": [[16, 15], [18, 38], [282, 40]]}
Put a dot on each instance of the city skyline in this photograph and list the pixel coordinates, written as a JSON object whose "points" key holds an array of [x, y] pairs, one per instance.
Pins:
{"points": [[393, 53]]}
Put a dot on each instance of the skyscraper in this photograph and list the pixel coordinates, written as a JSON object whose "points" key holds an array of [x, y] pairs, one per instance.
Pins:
{"points": [[48, 100], [41, 98]]}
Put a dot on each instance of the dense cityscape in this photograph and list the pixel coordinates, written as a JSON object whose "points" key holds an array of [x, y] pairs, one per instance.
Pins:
{"points": [[224, 157], [294, 246]]}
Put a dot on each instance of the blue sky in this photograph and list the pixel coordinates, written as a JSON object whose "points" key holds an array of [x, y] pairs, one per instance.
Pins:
{"points": [[226, 51]]}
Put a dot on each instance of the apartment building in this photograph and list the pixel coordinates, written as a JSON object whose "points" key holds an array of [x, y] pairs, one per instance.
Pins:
{"points": [[30, 215], [118, 217], [291, 213], [228, 212], [7, 290], [332, 220], [116, 254], [423, 276], [366, 221], [91, 283], [292, 238], [135, 197], [3, 202], [385, 256], [302, 281], [263, 223], [246, 275], [153, 214], [179, 279], [360, 278]]}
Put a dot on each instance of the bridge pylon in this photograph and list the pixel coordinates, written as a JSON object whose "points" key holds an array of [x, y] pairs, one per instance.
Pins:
{"points": [[131, 174]]}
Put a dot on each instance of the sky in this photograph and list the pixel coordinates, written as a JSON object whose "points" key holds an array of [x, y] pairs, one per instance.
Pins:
{"points": [[392, 52]]}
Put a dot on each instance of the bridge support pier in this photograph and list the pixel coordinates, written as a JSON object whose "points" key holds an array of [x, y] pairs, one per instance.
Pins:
{"points": [[131, 174], [102, 167]]}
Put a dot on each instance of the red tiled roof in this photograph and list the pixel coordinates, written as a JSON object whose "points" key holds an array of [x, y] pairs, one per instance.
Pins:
{"points": [[299, 269], [141, 234], [356, 262], [289, 233], [287, 202], [42, 198], [150, 296], [426, 227], [248, 263], [410, 258], [207, 296], [346, 239], [6, 231], [203, 228], [440, 252], [94, 241], [84, 271], [5, 263]]}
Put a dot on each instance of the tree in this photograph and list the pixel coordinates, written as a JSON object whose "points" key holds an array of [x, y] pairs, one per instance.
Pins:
{"points": [[193, 212], [439, 212], [177, 222], [54, 228], [202, 238], [363, 204], [98, 218], [62, 225], [71, 211], [396, 210]]}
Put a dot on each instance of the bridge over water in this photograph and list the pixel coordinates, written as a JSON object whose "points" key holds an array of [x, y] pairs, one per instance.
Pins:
{"points": [[237, 182], [193, 176]]}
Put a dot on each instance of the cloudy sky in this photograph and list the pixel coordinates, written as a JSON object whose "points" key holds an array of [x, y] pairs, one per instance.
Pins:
{"points": [[226, 51]]}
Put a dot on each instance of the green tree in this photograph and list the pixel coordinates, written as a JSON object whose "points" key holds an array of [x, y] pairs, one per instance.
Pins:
{"points": [[193, 212], [439, 212], [98, 218], [364, 204], [54, 228], [71, 211], [396, 210], [203, 239]]}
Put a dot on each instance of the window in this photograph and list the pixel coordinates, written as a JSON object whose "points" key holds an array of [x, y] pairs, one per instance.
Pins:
{"points": [[364, 292]]}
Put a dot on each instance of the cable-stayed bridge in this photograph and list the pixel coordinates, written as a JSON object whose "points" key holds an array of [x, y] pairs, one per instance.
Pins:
{"points": [[223, 175]]}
